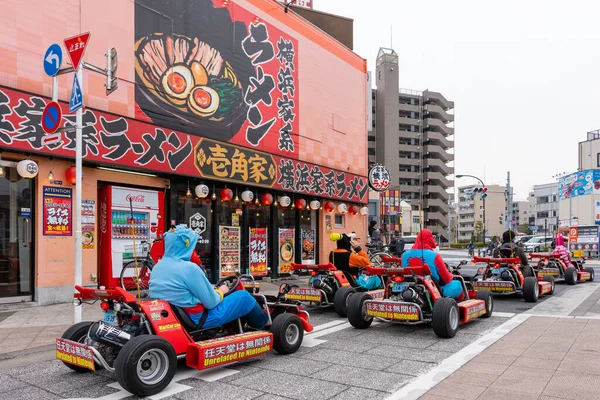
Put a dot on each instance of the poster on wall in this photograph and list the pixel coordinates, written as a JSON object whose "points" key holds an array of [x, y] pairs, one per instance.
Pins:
{"points": [[597, 218], [229, 250], [328, 226], [235, 219], [57, 205], [258, 251], [581, 183], [88, 223], [308, 246], [286, 249]]}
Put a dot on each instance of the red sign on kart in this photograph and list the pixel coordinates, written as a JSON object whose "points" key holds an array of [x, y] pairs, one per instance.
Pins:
{"points": [[549, 272], [474, 309], [395, 311], [494, 286], [75, 353], [304, 294]]}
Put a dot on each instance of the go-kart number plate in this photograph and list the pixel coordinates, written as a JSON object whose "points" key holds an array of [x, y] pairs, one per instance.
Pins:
{"points": [[110, 317], [75, 353], [393, 310], [494, 286], [304, 294], [399, 287]]}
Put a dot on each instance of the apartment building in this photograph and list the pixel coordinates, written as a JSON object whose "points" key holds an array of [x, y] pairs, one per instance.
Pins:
{"points": [[523, 213], [546, 207], [412, 136], [469, 210]]}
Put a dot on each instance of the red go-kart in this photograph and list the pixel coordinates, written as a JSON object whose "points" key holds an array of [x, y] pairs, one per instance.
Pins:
{"points": [[551, 265], [413, 297], [141, 341], [503, 276], [329, 287]]}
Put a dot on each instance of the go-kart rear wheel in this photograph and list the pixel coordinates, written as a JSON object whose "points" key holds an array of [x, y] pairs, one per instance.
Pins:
{"points": [[357, 311], [591, 271], [486, 296], [78, 333], [445, 318], [571, 276], [146, 365], [340, 300], [551, 280], [531, 289], [288, 333]]}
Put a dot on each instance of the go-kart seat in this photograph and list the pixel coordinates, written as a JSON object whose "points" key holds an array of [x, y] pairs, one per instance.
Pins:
{"points": [[184, 318]]}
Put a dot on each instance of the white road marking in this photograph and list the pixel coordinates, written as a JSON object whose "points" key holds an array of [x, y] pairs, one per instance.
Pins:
{"points": [[503, 314], [566, 302], [327, 325]]}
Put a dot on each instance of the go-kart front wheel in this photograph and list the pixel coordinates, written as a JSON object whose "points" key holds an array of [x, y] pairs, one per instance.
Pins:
{"points": [[571, 276], [591, 271], [288, 333], [146, 365], [445, 318], [340, 300], [531, 289], [357, 311], [78, 333], [487, 297]]}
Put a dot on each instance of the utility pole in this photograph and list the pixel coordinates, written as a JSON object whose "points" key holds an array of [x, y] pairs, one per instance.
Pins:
{"points": [[509, 211], [449, 222]]}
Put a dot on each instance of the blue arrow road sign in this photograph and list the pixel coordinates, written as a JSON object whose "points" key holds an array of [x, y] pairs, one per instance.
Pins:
{"points": [[52, 59], [76, 101]]}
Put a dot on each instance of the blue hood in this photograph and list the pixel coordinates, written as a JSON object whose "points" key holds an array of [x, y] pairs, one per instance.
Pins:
{"points": [[180, 243]]}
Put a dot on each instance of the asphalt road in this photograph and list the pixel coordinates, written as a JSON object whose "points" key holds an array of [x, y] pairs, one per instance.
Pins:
{"points": [[336, 361]]}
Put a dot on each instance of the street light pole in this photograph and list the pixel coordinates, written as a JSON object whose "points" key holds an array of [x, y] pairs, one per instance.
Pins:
{"points": [[482, 185]]}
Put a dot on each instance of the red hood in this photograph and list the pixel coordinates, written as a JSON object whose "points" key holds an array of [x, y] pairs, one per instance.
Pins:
{"points": [[424, 241]]}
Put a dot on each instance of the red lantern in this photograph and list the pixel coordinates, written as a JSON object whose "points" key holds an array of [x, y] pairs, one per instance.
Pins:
{"points": [[300, 204], [329, 206], [71, 175], [353, 210], [267, 199], [226, 194]]}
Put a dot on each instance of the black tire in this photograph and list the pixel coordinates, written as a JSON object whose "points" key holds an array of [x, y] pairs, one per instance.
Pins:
{"points": [[571, 276], [551, 280], [77, 333], [340, 300], [356, 315], [486, 296], [129, 282], [150, 351], [446, 317], [591, 271], [288, 333], [531, 289]]}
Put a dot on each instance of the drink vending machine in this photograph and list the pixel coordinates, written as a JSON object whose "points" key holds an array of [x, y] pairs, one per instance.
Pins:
{"points": [[117, 233]]}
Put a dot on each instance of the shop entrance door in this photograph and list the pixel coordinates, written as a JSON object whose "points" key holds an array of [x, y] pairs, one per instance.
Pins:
{"points": [[16, 232]]}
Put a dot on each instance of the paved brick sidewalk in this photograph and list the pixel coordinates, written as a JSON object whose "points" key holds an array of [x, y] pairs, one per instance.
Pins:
{"points": [[543, 358]]}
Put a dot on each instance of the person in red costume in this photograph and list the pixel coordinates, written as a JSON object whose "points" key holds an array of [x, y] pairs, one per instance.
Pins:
{"points": [[423, 252]]}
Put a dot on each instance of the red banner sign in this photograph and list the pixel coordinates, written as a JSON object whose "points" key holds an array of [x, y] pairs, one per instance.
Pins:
{"points": [[216, 352], [304, 294], [57, 205], [258, 251], [110, 139], [494, 286], [75, 353], [395, 311]]}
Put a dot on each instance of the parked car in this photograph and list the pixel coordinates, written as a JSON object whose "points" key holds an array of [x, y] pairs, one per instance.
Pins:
{"points": [[536, 243], [522, 239], [409, 241]]}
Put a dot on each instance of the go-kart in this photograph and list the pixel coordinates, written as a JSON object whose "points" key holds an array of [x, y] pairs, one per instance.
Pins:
{"points": [[551, 265], [330, 287], [503, 276], [413, 297], [141, 340]]}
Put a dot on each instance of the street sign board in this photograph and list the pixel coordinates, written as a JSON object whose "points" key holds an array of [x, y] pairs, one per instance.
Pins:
{"points": [[51, 117], [76, 101], [533, 228], [52, 59], [75, 47]]}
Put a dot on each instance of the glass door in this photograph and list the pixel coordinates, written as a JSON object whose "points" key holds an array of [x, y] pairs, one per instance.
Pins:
{"points": [[16, 232]]}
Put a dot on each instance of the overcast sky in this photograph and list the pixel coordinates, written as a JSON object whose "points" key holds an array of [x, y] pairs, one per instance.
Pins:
{"points": [[523, 75]]}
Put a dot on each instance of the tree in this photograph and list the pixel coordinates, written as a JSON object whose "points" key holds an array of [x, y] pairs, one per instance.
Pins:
{"points": [[478, 229], [525, 229]]}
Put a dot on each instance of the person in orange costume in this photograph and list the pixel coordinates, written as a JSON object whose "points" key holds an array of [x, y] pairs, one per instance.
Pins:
{"points": [[348, 256]]}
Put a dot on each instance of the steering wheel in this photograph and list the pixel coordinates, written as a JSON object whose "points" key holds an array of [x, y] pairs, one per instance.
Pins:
{"points": [[231, 281]]}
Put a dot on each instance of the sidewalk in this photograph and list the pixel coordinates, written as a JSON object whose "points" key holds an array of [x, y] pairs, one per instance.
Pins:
{"points": [[31, 326], [543, 358]]}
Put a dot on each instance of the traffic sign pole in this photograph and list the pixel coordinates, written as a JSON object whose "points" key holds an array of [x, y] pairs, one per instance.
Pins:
{"points": [[78, 313]]}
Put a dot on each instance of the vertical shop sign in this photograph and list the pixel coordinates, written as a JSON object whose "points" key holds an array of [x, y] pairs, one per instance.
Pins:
{"points": [[88, 223], [57, 203], [328, 226], [597, 219], [286, 250], [229, 250], [308, 246], [198, 224], [258, 251]]}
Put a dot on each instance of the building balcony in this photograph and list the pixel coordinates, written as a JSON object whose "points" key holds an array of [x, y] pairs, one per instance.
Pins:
{"points": [[438, 112], [434, 124], [409, 107], [408, 161], [435, 204], [436, 162], [436, 218], [408, 121], [435, 151], [436, 191], [439, 138], [409, 148], [408, 175], [436, 176], [438, 98]]}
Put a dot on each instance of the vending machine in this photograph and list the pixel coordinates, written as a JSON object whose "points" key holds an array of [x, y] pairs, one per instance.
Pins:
{"points": [[126, 214]]}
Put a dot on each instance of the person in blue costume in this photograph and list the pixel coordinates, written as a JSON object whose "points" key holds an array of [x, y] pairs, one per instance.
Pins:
{"points": [[422, 253], [181, 282]]}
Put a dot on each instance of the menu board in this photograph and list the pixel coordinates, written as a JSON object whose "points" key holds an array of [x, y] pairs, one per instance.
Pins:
{"points": [[57, 202], [308, 246], [229, 250], [286, 249], [258, 251]]}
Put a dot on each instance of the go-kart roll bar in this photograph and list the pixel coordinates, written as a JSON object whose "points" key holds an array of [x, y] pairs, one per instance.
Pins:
{"points": [[543, 255], [407, 271], [514, 260], [391, 259], [315, 267]]}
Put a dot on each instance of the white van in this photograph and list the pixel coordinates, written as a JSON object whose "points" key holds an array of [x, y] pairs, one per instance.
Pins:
{"points": [[408, 242]]}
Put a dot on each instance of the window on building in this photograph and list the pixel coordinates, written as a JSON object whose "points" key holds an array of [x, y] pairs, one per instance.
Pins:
{"points": [[412, 101], [339, 221], [371, 138], [371, 151], [543, 200], [379, 75]]}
